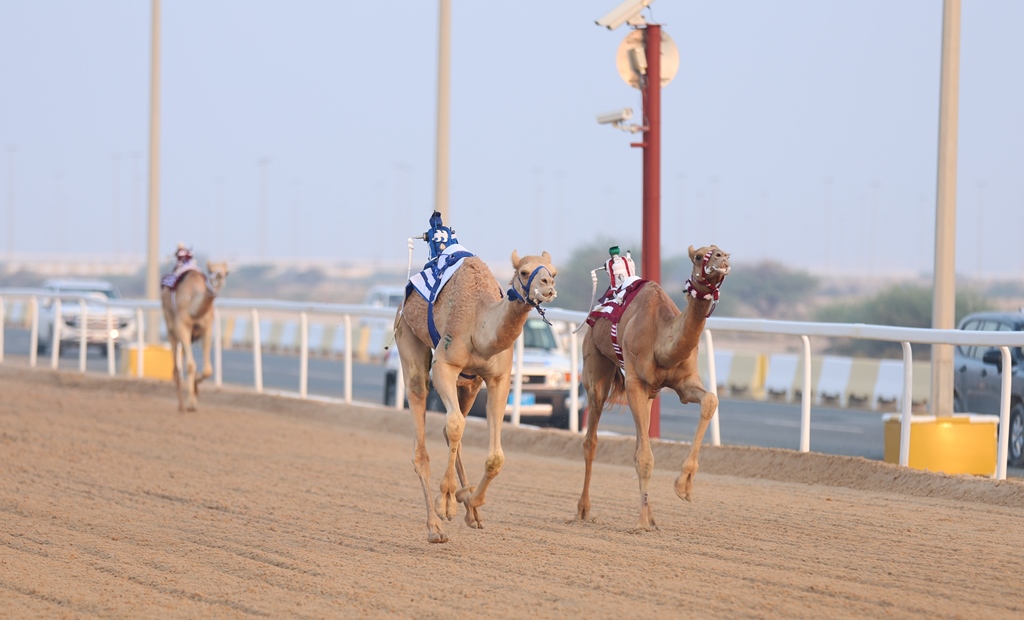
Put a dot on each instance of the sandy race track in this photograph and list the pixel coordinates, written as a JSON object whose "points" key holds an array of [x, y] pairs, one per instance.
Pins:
{"points": [[114, 505]]}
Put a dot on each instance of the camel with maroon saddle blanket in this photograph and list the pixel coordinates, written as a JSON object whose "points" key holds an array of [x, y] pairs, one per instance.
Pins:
{"points": [[652, 346], [188, 312]]}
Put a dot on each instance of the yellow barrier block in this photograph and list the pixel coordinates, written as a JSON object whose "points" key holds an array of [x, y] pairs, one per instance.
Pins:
{"points": [[157, 362], [957, 444]]}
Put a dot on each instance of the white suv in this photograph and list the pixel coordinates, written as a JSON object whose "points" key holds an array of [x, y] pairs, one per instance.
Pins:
{"points": [[545, 396], [123, 319]]}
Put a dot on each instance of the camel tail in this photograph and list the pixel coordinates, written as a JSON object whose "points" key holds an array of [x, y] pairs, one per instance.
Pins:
{"points": [[617, 390]]}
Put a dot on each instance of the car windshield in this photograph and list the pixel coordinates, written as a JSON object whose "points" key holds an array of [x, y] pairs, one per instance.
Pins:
{"points": [[90, 292], [537, 334]]}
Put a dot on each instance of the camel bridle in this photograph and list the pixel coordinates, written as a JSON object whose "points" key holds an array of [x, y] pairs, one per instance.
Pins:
{"points": [[514, 295], [698, 286]]}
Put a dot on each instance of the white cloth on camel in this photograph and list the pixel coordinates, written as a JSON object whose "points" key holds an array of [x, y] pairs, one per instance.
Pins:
{"points": [[424, 282], [615, 297]]}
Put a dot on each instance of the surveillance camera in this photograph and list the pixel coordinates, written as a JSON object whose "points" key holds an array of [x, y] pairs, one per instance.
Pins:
{"points": [[628, 11], [615, 116]]}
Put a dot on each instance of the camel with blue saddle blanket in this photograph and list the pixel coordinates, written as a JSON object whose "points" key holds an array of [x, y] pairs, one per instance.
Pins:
{"points": [[457, 328], [187, 301], [641, 344]]}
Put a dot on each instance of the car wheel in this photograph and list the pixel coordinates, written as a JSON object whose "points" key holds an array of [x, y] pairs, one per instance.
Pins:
{"points": [[1015, 451], [390, 387]]}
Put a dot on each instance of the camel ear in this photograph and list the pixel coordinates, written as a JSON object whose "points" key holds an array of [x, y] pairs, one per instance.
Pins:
{"points": [[515, 258], [209, 266], [693, 253], [545, 256]]}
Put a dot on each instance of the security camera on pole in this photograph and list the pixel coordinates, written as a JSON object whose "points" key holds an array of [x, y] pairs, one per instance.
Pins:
{"points": [[647, 59]]}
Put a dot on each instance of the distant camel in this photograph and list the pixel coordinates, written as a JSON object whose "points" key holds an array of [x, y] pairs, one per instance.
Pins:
{"points": [[475, 326], [188, 312], [657, 348]]}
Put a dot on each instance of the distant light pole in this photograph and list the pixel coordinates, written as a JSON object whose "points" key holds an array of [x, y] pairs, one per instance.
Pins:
{"points": [[444, 86], [944, 301], [153, 258]]}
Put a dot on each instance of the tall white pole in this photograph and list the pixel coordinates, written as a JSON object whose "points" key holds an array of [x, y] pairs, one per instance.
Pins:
{"points": [[444, 54], [153, 256], [944, 301]]}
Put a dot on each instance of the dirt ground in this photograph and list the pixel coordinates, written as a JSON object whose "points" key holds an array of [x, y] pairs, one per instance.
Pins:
{"points": [[114, 505]]}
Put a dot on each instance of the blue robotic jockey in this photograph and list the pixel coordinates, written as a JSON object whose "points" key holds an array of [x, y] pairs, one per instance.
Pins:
{"points": [[439, 237]]}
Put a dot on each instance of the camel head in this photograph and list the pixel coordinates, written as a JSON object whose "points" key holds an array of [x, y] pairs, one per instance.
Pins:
{"points": [[710, 263], [534, 279], [710, 266], [218, 275]]}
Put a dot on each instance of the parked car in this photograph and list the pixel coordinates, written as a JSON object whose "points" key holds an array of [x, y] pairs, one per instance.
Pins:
{"points": [[123, 319], [977, 376], [545, 394]]}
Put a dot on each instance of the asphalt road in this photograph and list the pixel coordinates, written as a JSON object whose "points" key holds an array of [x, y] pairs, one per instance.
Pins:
{"points": [[848, 432]]}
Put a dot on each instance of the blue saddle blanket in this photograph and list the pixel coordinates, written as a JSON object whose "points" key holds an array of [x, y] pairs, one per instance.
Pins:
{"points": [[429, 282], [436, 273]]}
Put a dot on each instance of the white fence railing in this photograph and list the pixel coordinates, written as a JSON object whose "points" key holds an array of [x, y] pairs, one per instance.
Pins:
{"points": [[302, 310]]}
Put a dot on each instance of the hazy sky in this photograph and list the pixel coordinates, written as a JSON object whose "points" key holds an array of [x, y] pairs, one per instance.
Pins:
{"points": [[801, 131]]}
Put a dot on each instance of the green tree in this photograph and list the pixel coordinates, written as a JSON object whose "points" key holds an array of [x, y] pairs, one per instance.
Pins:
{"points": [[899, 305]]}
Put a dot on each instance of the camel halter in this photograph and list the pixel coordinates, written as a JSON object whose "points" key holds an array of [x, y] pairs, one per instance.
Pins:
{"points": [[513, 294], [710, 291]]}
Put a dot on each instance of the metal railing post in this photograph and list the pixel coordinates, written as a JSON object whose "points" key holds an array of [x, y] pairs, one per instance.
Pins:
{"points": [[33, 338], [908, 402], [1004, 414], [110, 342], [517, 381], [716, 433], [348, 358], [257, 352], [805, 397], [3, 327], [303, 354], [218, 350], [55, 337], [83, 335], [140, 350], [574, 380]]}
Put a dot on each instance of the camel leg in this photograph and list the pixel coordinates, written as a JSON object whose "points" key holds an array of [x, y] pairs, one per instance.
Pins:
{"points": [[467, 396], [598, 374], [445, 378], [185, 336], [640, 406], [708, 404], [415, 367], [475, 497], [175, 366]]}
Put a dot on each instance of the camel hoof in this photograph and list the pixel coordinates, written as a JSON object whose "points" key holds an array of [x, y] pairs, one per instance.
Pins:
{"points": [[684, 484], [473, 519], [436, 537], [446, 506]]}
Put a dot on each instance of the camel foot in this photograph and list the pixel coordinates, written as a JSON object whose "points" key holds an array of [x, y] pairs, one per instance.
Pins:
{"points": [[436, 537], [684, 485], [583, 514], [446, 505], [473, 519], [648, 525]]}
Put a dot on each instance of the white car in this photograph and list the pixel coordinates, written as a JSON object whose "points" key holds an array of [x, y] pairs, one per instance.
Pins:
{"points": [[546, 367], [123, 323]]}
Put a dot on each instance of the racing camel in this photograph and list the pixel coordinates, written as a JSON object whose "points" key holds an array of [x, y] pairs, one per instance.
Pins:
{"points": [[651, 346], [188, 312], [475, 326]]}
